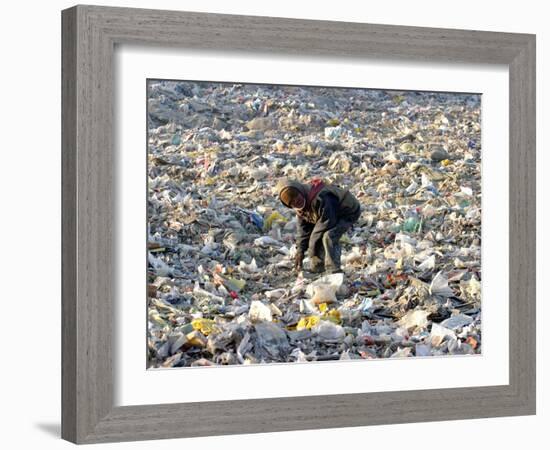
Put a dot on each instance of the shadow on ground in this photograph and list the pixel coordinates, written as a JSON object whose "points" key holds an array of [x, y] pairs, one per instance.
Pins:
{"points": [[53, 429]]}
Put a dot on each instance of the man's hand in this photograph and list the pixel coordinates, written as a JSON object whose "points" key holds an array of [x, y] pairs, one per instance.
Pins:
{"points": [[299, 261]]}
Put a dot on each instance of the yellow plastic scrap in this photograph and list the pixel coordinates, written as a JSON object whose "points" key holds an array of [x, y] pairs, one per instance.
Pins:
{"points": [[333, 122], [333, 316], [273, 217], [196, 339], [307, 323], [399, 264], [205, 326], [446, 162]]}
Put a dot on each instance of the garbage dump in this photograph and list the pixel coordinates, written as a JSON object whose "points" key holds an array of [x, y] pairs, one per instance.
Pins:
{"points": [[222, 289]]}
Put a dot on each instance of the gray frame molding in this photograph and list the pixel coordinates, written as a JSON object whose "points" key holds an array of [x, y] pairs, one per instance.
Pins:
{"points": [[89, 36]]}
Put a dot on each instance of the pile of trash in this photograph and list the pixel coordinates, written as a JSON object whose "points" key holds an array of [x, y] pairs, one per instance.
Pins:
{"points": [[221, 284]]}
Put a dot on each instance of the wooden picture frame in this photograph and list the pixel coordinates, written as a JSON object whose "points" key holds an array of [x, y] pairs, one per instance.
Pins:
{"points": [[90, 34]]}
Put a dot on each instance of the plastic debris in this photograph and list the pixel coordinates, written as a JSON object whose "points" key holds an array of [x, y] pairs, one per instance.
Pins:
{"points": [[307, 322], [205, 326], [275, 294], [328, 331], [401, 353], [333, 132], [439, 333], [274, 217], [234, 284], [427, 264], [325, 288], [266, 241], [271, 342], [414, 319], [221, 286], [457, 321], [250, 268], [259, 311], [440, 286], [257, 220], [423, 350], [196, 339], [323, 293]]}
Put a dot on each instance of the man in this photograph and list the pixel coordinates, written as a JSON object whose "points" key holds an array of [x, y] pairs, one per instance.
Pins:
{"points": [[325, 212]]}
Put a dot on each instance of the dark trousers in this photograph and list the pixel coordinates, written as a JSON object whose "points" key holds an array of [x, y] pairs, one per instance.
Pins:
{"points": [[328, 250]]}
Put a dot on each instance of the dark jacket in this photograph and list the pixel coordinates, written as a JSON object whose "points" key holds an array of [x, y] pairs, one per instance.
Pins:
{"points": [[322, 212]]}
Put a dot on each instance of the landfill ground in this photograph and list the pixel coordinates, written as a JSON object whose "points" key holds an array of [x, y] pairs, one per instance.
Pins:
{"points": [[221, 285]]}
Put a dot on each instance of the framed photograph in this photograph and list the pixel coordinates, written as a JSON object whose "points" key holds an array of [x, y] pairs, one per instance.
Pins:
{"points": [[278, 224]]}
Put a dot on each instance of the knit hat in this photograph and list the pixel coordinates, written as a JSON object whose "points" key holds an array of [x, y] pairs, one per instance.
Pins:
{"points": [[288, 194]]}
